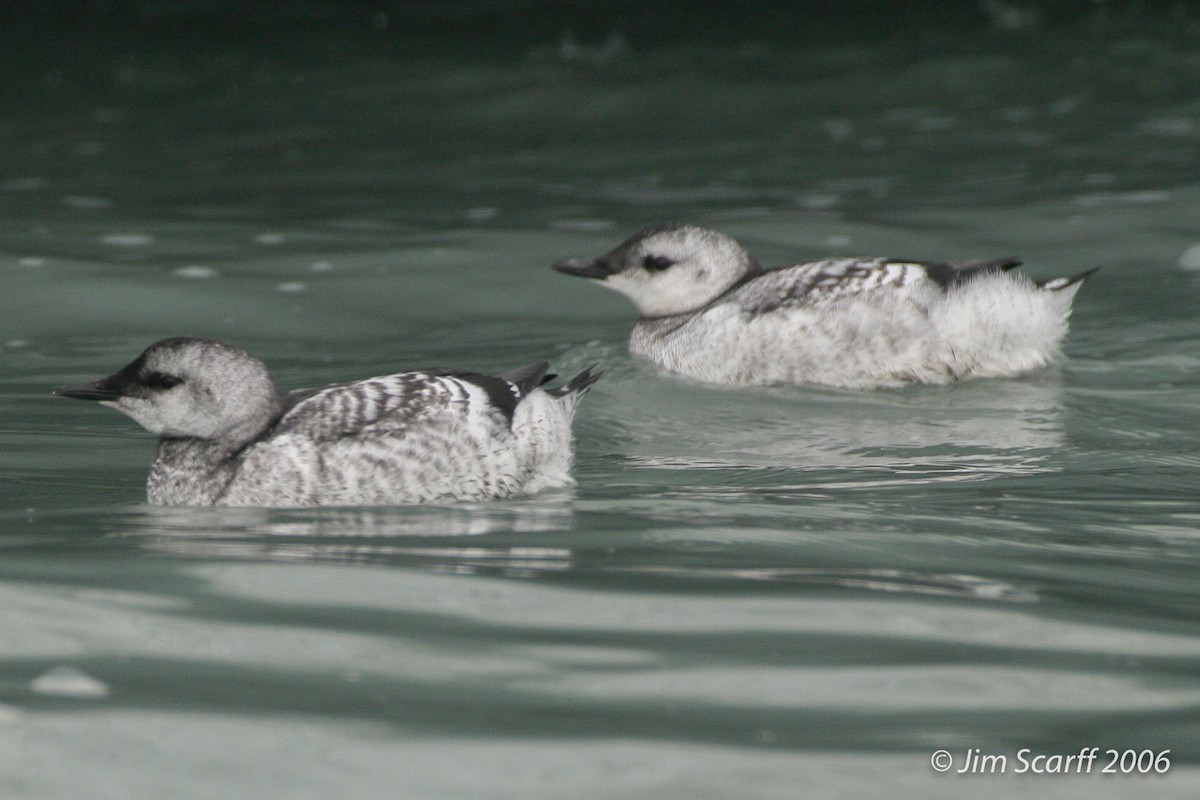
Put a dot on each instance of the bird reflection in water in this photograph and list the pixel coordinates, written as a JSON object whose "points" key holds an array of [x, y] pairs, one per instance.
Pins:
{"points": [[439, 538]]}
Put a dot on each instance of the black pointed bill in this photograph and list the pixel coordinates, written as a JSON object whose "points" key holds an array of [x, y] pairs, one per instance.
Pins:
{"points": [[93, 390], [594, 268]]}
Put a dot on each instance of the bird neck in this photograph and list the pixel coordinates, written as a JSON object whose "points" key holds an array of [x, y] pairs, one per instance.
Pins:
{"points": [[191, 472], [680, 317]]}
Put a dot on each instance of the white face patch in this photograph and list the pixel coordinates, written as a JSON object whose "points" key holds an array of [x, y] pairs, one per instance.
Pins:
{"points": [[140, 411], [677, 270], [176, 412]]}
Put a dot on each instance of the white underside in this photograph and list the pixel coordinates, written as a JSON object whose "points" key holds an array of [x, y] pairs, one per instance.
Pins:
{"points": [[992, 326]]}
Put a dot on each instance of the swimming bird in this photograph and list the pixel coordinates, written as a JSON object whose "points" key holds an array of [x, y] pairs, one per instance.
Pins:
{"points": [[709, 311], [228, 439]]}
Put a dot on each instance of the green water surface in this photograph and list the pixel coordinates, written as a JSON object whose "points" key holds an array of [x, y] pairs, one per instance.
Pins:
{"points": [[775, 593]]}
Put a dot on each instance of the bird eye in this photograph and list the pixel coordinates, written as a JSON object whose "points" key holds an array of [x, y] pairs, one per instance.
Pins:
{"points": [[161, 380], [656, 263]]}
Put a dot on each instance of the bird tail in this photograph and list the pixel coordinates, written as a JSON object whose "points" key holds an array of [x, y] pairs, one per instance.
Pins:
{"points": [[528, 377], [579, 384], [1058, 284]]}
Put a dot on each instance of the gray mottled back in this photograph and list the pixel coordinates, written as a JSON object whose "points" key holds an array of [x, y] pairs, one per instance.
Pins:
{"points": [[385, 404]]}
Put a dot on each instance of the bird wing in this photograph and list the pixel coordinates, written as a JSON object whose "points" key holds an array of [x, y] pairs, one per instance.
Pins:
{"points": [[393, 403], [816, 283]]}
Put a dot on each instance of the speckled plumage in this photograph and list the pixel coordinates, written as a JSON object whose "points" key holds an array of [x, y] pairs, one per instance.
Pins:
{"points": [[227, 439], [709, 311]]}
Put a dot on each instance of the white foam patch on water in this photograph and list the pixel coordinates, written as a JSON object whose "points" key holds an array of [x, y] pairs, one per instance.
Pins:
{"points": [[582, 225], [1145, 197], [196, 271], [818, 201], [127, 239], [23, 184], [68, 681], [270, 238], [482, 214], [320, 266], [91, 203], [1170, 126], [31, 261], [840, 130], [292, 287], [1191, 257]]}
